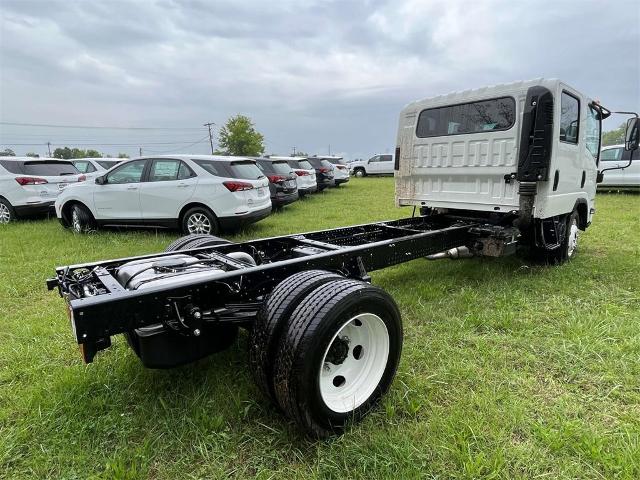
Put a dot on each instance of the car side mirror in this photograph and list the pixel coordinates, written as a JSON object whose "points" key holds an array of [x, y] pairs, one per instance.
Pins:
{"points": [[631, 136], [599, 177], [101, 180]]}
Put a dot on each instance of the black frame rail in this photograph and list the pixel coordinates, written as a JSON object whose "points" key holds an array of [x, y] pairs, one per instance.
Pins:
{"points": [[235, 294]]}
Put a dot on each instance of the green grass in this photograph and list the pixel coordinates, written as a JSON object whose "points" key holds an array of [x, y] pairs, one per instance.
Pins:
{"points": [[508, 370]]}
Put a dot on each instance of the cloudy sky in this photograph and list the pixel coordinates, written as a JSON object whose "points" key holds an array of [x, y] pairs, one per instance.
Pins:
{"points": [[309, 73]]}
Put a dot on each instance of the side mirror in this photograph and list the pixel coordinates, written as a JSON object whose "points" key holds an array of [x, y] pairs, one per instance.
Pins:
{"points": [[631, 136], [101, 180], [599, 177]]}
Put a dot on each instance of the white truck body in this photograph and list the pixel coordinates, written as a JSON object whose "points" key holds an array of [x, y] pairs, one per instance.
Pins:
{"points": [[462, 151]]}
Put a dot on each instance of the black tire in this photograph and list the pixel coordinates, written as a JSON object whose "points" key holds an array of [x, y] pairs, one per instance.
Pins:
{"points": [[567, 249], [177, 244], [185, 243], [272, 319], [200, 213], [209, 241], [82, 220], [301, 355], [359, 172], [7, 212]]}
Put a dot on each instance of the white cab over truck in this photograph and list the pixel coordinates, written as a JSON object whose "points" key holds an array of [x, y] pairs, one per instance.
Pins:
{"points": [[522, 154]]}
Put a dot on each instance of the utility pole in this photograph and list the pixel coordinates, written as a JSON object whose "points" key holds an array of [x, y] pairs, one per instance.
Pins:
{"points": [[140, 151], [294, 151], [329, 149], [49, 147], [210, 135]]}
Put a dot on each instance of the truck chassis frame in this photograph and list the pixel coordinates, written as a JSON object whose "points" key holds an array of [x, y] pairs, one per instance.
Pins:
{"points": [[100, 307]]}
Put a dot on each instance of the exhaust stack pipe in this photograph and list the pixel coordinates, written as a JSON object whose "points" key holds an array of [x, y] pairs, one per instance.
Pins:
{"points": [[453, 253]]}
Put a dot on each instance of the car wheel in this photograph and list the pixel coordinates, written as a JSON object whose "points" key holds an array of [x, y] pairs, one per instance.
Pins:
{"points": [[359, 172], [7, 213], [338, 355], [273, 317], [81, 219], [199, 220], [567, 249]]}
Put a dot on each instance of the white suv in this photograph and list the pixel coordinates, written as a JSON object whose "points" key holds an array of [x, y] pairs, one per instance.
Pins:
{"points": [[29, 186], [196, 193]]}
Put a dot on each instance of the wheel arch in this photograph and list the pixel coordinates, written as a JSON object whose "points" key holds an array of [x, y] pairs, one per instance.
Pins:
{"points": [[582, 207], [65, 211], [194, 204]]}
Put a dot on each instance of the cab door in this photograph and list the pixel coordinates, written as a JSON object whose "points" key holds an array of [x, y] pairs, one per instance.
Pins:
{"points": [[170, 184], [119, 197]]}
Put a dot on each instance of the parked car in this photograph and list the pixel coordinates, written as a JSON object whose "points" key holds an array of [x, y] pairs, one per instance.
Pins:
{"points": [[306, 174], [626, 178], [282, 181], [324, 172], [341, 170], [94, 167], [377, 165], [196, 193], [29, 186]]}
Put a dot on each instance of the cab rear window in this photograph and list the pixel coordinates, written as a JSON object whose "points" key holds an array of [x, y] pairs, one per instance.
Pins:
{"points": [[474, 117]]}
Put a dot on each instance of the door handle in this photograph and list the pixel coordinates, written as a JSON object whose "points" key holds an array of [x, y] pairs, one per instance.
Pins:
{"points": [[182, 185], [132, 187]]}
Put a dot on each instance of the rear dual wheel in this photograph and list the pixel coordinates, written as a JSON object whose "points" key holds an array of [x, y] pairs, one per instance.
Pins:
{"points": [[337, 354]]}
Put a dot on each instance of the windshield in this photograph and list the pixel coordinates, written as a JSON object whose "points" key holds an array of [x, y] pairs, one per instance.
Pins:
{"points": [[49, 168]]}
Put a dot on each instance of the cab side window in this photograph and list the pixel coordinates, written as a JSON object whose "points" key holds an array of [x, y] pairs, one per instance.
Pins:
{"points": [[569, 118], [374, 159]]}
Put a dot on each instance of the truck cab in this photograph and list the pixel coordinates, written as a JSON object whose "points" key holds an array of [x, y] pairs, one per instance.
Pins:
{"points": [[524, 153]]}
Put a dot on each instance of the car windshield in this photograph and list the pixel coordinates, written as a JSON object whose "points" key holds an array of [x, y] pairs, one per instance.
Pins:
{"points": [[107, 164], [282, 167], [246, 170], [49, 168]]}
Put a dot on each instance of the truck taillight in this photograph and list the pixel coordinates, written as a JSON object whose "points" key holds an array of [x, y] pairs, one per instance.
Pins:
{"points": [[301, 173], [324, 170], [276, 178], [30, 180], [237, 186], [396, 164], [82, 178]]}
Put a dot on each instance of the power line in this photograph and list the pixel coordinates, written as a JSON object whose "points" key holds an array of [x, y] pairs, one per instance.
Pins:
{"points": [[98, 144], [17, 124], [186, 146]]}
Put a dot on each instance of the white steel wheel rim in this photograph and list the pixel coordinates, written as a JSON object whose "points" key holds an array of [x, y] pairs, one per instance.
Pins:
{"points": [[359, 173], [75, 221], [198, 223], [347, 385], [572, 242], [5, 214]]}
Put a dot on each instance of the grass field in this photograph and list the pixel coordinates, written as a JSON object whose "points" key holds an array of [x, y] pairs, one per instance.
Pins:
{"points": [[508, 370]]}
